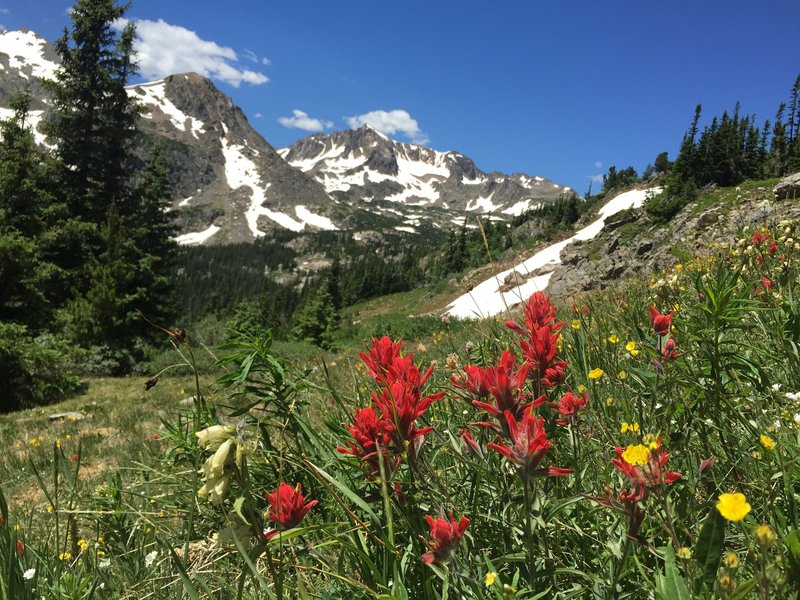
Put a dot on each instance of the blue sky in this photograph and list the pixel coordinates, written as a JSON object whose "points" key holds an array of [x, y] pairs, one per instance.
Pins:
{"points": [[557, 89]]}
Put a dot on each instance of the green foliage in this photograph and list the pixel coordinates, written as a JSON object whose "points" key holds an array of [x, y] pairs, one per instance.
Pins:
{"points": [[33, 371], [618, 179], [317, 320]]}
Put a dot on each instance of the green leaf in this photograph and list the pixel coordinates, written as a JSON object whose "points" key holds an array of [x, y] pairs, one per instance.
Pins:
{"points": [[708, 551], [674, 585], [792, 542]]}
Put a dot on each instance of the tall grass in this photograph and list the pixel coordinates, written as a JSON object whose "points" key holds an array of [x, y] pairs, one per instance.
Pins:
{"points": [[641, 444]]}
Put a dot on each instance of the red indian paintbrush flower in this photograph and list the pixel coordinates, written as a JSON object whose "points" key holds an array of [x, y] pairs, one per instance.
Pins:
{"points": [[287, 506], [369, 434], [538, 312], [445, 536], [669, 353], [380, 357], [759, 238], [541, 340], [645, 469], [503, 382], [660, 323], [569, 405], [399, 409], [404, 370], [529, 444]]}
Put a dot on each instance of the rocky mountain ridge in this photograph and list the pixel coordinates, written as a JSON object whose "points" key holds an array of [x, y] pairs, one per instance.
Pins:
{"points": [[362, 165], [230, 185]]}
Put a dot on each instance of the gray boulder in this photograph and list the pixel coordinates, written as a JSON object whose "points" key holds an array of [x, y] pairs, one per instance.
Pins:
{"points": [[788, 188]]}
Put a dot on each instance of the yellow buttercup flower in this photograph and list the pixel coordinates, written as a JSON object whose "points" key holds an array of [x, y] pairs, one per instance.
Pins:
{"points": [[490, 578], [733, 507], [613, 338], [731, 560], [82, 544], [581, 389], [684, 553], [636, 455], [765, 536], [65, 556], [650, 440], [630, 346], [622, 374], [767, 442], [575, 324], [610, 401], [626, 427], [595, 374]]}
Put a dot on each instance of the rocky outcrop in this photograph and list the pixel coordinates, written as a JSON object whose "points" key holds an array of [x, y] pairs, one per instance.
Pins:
{"points": [[788, 188], [639, 248]]}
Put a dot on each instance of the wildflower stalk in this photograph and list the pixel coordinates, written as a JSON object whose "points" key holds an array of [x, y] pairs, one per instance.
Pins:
{"points": [[528, 527], [618, 572], [198, 406]]}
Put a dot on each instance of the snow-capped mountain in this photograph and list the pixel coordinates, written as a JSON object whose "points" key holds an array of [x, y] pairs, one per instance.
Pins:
{"points": [[230, 185], [365, 165]]}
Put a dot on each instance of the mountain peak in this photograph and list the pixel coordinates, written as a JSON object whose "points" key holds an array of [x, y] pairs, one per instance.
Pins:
{"points": [[364, 164]]}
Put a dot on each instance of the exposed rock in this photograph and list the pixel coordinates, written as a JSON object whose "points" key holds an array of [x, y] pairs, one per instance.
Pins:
{"points": [[788, 188], [709, 217], [511, 281], [66, 416], [643, 247]]}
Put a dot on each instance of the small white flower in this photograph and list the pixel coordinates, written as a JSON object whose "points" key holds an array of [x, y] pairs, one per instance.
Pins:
{"points": [[148, 560], [792, 395], [29, 574], [105, 563], [658, 405], [776, 386], [777, 424]]}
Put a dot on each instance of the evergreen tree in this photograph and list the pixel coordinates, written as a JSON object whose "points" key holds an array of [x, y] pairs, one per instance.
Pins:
{"points": [[778, 147], [93, 121], [23, 212], [115, 240], [317, 320]]}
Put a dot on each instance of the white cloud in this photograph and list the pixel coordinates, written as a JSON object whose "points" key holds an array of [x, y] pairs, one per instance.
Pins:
{"points": [[598, 164], [255, 58], [164, 49], [596, 178], [390, 123], [258, 116], [300, 120]]}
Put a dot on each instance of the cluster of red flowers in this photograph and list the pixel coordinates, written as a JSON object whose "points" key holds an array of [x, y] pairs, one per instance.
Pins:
{"points": [[540, 341], [387, 430], [500, 391], [759, 240]]}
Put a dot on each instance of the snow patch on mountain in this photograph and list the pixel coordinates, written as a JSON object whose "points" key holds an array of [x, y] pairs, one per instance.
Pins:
{"points": [[198, 237], [314, 220], [34, 117], [154, 95], [486, 299], [26, 55]]}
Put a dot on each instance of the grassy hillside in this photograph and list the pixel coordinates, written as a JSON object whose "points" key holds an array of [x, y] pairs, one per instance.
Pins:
{"points": [[640, 442]]}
